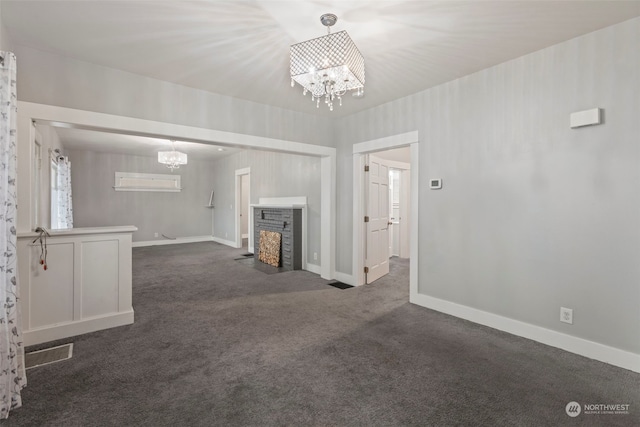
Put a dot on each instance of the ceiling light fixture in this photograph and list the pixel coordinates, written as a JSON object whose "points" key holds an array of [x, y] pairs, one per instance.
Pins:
{"points": [[328, 66], [173, 159]]}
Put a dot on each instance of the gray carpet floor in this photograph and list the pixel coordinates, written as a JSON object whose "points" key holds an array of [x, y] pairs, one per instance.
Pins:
{"points": [[216, 342]]}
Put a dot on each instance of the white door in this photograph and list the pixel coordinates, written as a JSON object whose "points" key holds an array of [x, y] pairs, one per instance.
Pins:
{"points": [[377, 200], [244, 211], [243, 176]]}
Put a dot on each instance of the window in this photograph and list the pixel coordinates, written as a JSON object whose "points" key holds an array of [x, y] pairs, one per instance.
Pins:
{"points": [[37, 177], [54, 194]]}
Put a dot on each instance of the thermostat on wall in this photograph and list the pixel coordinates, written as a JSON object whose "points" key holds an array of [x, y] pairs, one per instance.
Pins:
{"points": [[435, 184]]}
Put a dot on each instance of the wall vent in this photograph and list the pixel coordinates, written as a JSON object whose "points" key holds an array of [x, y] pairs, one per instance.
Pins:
{"points": [[127, 181], [48, 355]]}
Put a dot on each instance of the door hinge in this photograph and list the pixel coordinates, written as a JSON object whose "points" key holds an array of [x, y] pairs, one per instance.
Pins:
{"points": [[366, 219], [366, 270], [366, 168]]}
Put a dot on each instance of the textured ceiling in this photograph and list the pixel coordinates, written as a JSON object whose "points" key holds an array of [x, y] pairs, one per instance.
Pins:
{"points": [[241, 48]]}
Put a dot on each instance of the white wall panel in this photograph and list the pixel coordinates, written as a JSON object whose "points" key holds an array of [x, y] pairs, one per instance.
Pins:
{"points": [[100, 273], [51, 304]]}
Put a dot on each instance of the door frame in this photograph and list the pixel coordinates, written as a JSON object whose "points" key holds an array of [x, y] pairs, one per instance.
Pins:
{"points": [[238, 208], [409, 139]]}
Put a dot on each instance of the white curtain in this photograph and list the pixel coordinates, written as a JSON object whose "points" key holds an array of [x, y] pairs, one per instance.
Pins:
{"points": [[64, 203], [12, 375]]}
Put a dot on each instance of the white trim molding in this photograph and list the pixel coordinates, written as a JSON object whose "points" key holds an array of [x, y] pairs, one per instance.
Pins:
{"points": [[224, 241], [581, 346], [239, 173], [386, 143], [313, 268], [176, 241], [345, 278], [71, 329]]}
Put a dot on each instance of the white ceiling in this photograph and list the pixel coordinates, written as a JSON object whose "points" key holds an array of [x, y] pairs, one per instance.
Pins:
{"points": [[81, 139], [241, 48]]}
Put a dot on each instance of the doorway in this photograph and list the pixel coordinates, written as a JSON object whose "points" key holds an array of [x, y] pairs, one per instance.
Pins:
{"points": [[399, 218], [244, 209], [243, 222], [386, 214], [409, 141]]}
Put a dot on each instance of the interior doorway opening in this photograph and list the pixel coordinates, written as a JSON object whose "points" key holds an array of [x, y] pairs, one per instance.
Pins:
{"points": [[360, 152], [243, 221], [386, 207]]}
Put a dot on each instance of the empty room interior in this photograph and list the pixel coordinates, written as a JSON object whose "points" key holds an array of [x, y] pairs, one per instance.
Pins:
{"points": [[320, 213]]}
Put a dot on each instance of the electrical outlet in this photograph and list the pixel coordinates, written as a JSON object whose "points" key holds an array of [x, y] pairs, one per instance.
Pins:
{"points": [[155, 234], [226, 235], [566, 315], [315, 256]]}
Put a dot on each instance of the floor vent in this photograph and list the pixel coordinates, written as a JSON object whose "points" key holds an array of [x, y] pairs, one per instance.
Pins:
{"points": [[48, 355], [339, 285]]}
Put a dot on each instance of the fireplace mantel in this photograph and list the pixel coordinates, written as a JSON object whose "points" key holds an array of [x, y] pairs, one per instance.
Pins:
{"points": [[274, 206]]}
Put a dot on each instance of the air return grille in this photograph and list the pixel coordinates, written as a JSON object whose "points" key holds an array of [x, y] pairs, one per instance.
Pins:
{"points": [[48, 355]]}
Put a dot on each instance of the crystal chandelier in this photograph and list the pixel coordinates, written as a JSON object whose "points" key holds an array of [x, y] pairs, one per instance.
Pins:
{"points": [[173, 159], [328, 66]]}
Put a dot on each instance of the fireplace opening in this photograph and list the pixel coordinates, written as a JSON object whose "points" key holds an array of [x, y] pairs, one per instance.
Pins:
{"points": [[270, 247]]}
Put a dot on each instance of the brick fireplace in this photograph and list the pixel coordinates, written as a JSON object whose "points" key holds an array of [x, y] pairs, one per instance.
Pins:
{"points": [[286, 220]]}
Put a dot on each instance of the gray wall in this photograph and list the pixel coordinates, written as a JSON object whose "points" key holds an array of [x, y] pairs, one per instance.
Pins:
{"points": [[96, 203], [47, 78], [2, 31], [533, 215], [272, 175], [4, 38]]}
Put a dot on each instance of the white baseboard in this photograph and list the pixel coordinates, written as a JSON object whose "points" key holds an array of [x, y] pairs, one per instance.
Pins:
{"points": [[313, 268], [70, 329], [175, 241], [581, 346], [224, 241], [345, 278], [245, 236]]}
